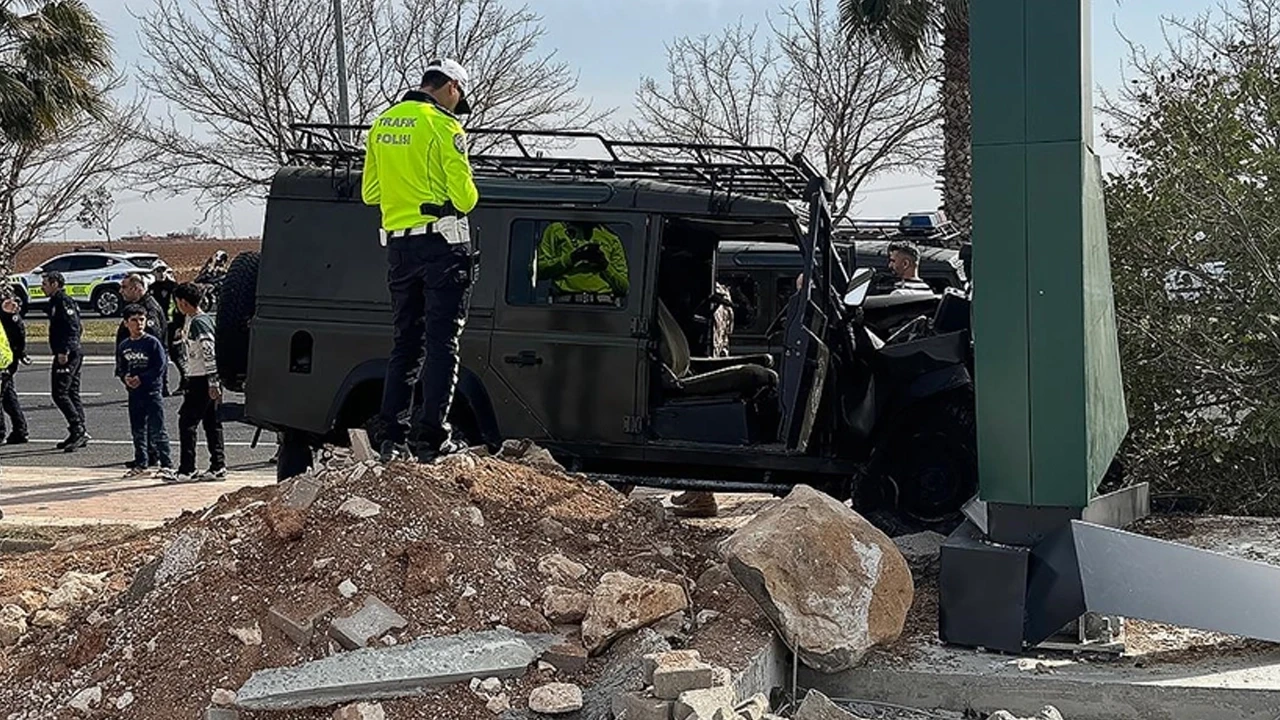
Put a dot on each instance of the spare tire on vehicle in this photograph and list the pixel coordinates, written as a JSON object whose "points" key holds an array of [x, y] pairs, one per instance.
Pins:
{"points": [[237, 302]]}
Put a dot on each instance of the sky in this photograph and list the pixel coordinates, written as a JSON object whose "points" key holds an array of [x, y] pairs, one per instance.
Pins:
{"points": [[614, 43]]}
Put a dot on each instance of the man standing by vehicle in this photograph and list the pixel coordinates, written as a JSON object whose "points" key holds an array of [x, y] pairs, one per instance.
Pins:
{"points": [[15, 332], [904, 262], [417, 172], [203, 392], [64, 341]]}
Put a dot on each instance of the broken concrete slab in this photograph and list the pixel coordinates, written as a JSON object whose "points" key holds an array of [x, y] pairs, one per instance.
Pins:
{"points": [[370, 622], [671, 680], [566, 657], [702, 703], [180, 557], [221, 713], [298, 624], [398, 671], [301, 492], [641, 706], [361, 447], [1243, 685], [621, 673]]}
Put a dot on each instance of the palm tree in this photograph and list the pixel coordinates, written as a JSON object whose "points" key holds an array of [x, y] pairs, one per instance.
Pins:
{"points": [[911, 30], [52, 53]]}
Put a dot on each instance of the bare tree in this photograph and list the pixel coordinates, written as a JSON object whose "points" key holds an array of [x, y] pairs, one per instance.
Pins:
{"points": [[237, 73], [802, 88], [97, 211], [41, 185]]}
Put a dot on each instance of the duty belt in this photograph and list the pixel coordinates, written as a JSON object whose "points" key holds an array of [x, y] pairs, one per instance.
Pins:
{"points": [[427, 229]]}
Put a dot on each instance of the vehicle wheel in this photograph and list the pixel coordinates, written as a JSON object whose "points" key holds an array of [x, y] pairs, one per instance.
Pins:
{"points": [[929, 464], [295, 455], [107, 302], [237, 302]]}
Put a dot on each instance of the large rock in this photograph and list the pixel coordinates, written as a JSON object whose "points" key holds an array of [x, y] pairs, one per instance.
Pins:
{"points": [[13, 624], [833, 584], [622, 603]]}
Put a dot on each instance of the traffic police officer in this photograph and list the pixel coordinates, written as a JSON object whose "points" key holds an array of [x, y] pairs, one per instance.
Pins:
{"points": [[416, 171]]}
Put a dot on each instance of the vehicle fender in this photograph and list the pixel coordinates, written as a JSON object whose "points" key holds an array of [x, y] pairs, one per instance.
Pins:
{"points": [[469, 390]]}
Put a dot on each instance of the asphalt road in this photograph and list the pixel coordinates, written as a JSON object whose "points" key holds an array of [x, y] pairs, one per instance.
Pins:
{"points": [[107, 417]]}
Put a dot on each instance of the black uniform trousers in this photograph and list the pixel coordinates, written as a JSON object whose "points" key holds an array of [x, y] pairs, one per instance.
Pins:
{"points": [[10, 404], [199, 409], [65, 387], [430, 283]]}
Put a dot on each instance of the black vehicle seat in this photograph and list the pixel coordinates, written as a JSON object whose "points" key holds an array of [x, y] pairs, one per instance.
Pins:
{"points": [[741, 375]]}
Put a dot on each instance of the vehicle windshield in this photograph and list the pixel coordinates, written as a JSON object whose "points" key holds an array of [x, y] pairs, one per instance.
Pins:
{"points": [[144, 261]]}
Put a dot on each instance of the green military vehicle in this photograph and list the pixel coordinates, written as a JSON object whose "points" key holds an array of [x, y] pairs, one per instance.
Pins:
{"points": [[609, 383]]}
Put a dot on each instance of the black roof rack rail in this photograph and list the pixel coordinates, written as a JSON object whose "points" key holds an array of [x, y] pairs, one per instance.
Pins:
{"points": [[849, 229], [758, 171]]}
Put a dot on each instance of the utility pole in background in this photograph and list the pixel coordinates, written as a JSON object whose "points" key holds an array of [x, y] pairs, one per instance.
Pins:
{"points": [[344, 113]]}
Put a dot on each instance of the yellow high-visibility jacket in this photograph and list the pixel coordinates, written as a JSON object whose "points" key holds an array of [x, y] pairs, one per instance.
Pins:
{"points": [[559, 241], [6, 352], [416, 153]]}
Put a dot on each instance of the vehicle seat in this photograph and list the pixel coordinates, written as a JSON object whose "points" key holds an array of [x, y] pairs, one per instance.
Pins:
{"points": [[741, 375]]}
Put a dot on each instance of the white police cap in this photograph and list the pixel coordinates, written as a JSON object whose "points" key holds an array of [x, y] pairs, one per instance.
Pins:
{"points": [[454, 71]]}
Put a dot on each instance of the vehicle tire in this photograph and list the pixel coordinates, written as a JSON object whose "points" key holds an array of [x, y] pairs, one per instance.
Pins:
{"points": [[237, 302], [295, 455], [107, 301], [928, 464]]}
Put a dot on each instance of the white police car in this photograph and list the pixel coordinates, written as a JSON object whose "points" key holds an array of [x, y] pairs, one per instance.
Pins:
{"points": [[93, 279]]}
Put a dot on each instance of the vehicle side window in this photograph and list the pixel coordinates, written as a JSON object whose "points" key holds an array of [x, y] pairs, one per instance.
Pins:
{"points": [[87, 262], [786, 287], [569, 262], [745, 294], [62, 264]]}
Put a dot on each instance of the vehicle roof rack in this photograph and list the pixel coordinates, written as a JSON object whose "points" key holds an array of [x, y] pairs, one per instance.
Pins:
{"points": [[758, 171], [943, 234]]}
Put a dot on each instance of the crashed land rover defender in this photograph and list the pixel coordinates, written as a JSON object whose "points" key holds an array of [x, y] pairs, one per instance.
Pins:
{"points": [[612, 375]]}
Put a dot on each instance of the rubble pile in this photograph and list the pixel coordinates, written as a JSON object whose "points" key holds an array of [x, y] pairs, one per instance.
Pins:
{"points": [[506, 589]]}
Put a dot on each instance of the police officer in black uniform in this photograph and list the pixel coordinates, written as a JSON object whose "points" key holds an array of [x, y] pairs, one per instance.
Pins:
{"points": [[64, 341]]}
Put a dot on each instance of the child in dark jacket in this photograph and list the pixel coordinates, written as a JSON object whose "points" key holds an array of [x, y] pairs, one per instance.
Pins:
{"points": [[140, 363]]}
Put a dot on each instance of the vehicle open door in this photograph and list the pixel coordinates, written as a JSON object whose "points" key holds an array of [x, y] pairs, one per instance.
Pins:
{"points": [[806, 357]]}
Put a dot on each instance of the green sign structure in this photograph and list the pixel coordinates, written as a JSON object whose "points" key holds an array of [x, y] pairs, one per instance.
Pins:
{"points": [[1051, 410], [1040, 548]]}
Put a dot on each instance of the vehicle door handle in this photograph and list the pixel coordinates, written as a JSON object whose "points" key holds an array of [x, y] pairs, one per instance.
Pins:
{"points": [[524, 358]]}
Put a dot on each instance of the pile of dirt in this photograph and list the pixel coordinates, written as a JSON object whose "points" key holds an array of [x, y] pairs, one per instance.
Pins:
{"points": [[469, 544]]}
